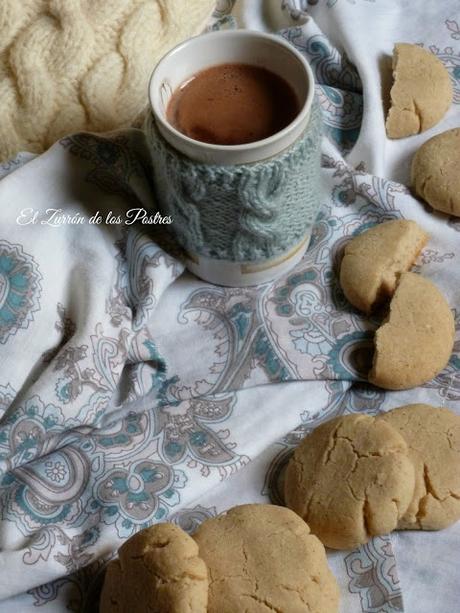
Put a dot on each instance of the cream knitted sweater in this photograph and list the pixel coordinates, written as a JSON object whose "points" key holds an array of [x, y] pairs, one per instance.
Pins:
{"points": [[70, 65]]}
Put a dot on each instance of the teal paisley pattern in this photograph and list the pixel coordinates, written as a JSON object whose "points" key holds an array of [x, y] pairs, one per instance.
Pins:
{"points": [[82, 482], [20, 289], [338, 86], [134, 498], [25, 431], [233, 317], [50, 491]]}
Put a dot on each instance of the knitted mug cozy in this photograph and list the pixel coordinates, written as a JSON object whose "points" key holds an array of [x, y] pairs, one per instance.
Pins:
{"points": [[242, 213]]}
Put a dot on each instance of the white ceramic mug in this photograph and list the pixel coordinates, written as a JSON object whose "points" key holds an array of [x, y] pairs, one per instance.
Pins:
{"points": [[246, 47]]}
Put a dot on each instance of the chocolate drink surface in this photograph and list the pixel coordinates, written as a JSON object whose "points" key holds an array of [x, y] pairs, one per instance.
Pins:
{"points": [[232, 104]]}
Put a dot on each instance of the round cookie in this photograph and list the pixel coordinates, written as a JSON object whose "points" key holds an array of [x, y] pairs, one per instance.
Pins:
{"points": [[373, 260], [158, 571], [416, 341], [434, 172], [262, 557], [433, 438], [350, 479], [421, 92]]}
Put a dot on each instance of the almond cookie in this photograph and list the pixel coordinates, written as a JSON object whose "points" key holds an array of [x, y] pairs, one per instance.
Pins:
{"points": [[350, 479], [421, 92], [373, 260], [434, 174], [433, 438], [262, 558], [160, 571], [416, 341]]}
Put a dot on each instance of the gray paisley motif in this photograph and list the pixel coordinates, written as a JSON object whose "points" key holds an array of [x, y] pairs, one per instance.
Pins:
{"points": [[190, 519], [453, 28], [66, 550], [185, 432], [373, 575]]}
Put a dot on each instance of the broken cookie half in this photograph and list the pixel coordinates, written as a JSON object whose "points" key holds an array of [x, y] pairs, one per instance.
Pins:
{"points": [[421, 92], [373, 261], [416, 341]]}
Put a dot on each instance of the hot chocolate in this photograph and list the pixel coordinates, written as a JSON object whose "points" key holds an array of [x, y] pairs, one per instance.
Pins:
{"points": [[232, 104]]}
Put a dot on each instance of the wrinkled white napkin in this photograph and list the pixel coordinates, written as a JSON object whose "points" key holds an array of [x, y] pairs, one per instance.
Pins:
{"points": [[131, 392]]}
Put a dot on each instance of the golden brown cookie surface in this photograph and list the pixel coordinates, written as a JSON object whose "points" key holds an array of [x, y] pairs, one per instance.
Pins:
{"points": [[435, 172], [373, 260], [160, 567], [350, 479], [433, 437], [262, 557], [416, 341], [421, 92]]}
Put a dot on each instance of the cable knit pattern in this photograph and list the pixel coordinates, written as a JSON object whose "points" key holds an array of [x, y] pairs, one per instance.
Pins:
{"points": [[71, 65], [242, 213]]}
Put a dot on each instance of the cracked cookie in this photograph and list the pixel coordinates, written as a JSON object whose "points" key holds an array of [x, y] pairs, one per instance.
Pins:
{"points": [[373, 260], [433, 437], [160, 567], [434, 172], [416, 341], [350, 479], [262, 558], [421, 92]]}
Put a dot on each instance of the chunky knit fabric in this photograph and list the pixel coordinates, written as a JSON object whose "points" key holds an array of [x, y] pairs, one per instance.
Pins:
{"points": [[242, 213], [71, 65]]}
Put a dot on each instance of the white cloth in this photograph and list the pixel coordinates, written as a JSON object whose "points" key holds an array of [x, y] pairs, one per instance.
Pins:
{"points": [[131, 392]]}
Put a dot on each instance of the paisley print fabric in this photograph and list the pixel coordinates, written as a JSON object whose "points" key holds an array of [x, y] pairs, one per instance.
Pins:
{"points": [[131, 392], [19, 289], [373, 576]]}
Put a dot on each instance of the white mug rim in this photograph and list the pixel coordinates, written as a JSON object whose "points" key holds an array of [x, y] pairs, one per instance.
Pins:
{"points": [[246, 147]]}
